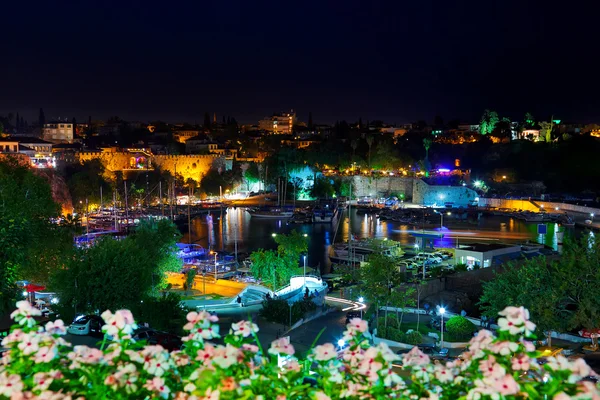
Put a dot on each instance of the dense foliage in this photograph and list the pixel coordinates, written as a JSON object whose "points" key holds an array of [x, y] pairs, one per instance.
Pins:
{"points": [[119, 273], [30, 243], [561, 294]]}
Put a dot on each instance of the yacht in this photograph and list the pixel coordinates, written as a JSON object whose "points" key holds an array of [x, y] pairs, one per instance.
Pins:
{"points": [[271, 212]]}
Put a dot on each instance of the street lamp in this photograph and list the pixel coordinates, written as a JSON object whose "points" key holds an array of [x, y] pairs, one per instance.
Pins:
{"points": [[592, 215], [442, 312], [341, 343], [361, 300], [273, 234]]}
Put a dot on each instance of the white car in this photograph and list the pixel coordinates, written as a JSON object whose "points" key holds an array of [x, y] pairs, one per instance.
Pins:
{"points": [[408, 264], [86, 325], [441, 255], [431, 257]]}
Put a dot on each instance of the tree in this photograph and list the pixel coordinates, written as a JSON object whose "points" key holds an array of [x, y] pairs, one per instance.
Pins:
{"points": [[115, 274], [546, 131], [252, 173], [354, 145], [503, 129], [378, 277], [189, 279], [488, 122], [30, 243], [275, 268]]}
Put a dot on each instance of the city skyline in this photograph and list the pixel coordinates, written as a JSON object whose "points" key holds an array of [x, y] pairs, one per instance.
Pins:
{"points": [[393, 62]]}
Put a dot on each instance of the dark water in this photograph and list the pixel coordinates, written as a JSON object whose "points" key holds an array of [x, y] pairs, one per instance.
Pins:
{"points": [[220, 231]]}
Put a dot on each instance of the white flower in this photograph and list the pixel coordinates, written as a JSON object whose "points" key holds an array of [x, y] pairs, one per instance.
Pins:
{"points": [[281, 346], [244, 328], [29, 343], [158, 385], [504, 347], [442, 373], [415, 357], [56, 327], [390, 378], [42, 380], [226, 356], [324, 352], [25, 313], [45, 354], [10, 385], [120, 321]]}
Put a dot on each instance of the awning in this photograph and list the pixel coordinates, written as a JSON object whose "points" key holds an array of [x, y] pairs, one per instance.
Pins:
{"points": [[30, 288]]}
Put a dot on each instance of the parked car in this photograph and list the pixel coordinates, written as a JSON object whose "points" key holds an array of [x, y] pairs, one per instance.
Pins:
{"points": [[408, 265], [144, 334], [86, 325], [420, 260], [430, 256], [442, 255]]}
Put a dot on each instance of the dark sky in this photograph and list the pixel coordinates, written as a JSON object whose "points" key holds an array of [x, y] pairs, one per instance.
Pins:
{"points": [[398, 61]]}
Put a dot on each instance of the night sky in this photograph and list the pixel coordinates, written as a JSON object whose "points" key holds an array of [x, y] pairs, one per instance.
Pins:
{"points": [[399, 61]]}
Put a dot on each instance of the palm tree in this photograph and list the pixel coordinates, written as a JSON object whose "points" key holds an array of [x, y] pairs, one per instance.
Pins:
{"points": [[427, 145]]}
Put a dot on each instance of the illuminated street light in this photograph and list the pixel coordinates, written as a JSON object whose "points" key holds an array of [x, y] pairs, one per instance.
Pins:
{"points": [[25, 293], [478, 184], [361, 299], [341, 343], [442, 312], [273, 234]]}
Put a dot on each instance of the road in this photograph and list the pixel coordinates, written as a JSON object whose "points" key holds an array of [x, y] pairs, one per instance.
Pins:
{"points": [[225, 288]]}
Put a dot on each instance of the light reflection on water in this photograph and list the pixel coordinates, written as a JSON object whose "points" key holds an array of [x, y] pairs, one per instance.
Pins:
{"points": [[220, 231]]}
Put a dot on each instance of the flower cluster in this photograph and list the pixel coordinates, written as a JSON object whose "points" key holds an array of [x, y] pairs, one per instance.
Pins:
{"points": [[40, 364]]}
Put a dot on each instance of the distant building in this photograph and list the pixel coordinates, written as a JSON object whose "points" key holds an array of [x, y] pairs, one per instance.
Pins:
{"points": [[109, 129], [486, 254], [58, 132], [200, 144], [9, 146], [182, 135], [530, 134], [278, 124], [38, 150]]}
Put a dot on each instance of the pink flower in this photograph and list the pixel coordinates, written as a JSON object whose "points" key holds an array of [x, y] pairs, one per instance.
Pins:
{"points": [[390, 378], [250, 347], [324, 352], [516, 321], [42, 380], [10, 384], [244, 328], [206, 354], [415, 357], [120, 321], [358, 325], [520, 363], [352, 356], [281, 346], [14, 337], [45, 354], [29, 343], [56, 327], [211, 395], [321, 396], [84, 355], [491, 369], [442, 373], [481, 342], [202, 318], [228, 384], [225, 356], [506, 385], [180, 358], [504, 347], [529, 346], [292, 366], [25, 313], [158, 386]]}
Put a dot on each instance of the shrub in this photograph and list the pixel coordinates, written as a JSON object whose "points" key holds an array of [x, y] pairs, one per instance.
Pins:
{"points": [[279, 311], [460, 267], [413, 338], [392, 321], [460, 328]]}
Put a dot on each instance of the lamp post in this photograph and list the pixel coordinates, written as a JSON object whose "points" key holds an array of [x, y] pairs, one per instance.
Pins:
{"points": [[290, 305], [442, 312], [592, 215], [361, 301], [204, 281]]}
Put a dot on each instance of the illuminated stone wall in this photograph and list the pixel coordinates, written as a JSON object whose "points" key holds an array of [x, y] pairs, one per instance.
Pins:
{"points": [[189, 166], [382, 186], [429, 195]]}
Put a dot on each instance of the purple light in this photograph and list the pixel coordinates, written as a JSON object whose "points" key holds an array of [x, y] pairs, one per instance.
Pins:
{"points": [[443, 170]]}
